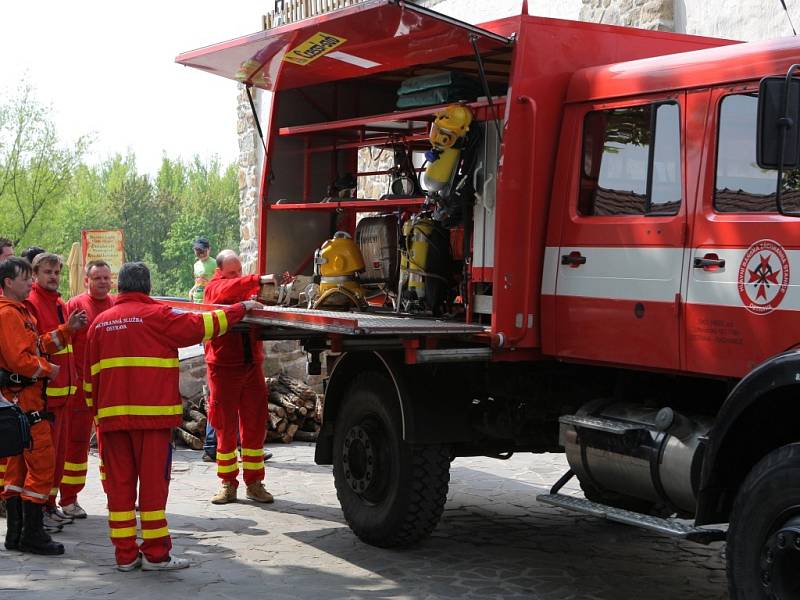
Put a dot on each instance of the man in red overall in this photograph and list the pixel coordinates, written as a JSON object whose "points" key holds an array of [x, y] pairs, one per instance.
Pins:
{"points": [[238, 393], [96, 299], [133, 353], [50, 311], [29, 476]]}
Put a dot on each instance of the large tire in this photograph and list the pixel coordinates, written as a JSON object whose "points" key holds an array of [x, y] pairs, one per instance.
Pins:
{"points": [[392, 493], [763, 550]]}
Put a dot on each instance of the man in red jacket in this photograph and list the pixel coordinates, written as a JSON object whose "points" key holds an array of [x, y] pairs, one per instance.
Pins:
{"points": [[50, 311], [133, 352], [96, 299], [238, 393], [29, 476]]}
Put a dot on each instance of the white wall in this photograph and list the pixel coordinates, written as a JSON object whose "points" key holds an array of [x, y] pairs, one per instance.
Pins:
{"points": [[736, 19]]}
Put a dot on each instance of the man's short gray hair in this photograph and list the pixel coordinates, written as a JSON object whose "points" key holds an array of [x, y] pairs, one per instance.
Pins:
{"points": [[134, 277], [225, 255]]}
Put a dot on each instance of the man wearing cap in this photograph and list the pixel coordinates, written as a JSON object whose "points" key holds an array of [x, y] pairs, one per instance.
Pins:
{"points": [[203, 268], [203, 272]]}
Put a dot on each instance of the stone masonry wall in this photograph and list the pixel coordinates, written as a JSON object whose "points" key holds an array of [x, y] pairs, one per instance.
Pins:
{"points": [[250, 155]]}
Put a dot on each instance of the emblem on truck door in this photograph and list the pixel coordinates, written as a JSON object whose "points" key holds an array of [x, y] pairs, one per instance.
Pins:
{"points": [[763, 277]]}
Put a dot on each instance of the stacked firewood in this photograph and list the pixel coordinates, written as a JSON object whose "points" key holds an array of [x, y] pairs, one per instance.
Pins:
{"points": [[295, 413], [295, 410]]}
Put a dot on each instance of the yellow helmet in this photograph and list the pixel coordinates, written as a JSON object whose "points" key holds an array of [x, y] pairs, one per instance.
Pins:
{"points": [[451, 124]]}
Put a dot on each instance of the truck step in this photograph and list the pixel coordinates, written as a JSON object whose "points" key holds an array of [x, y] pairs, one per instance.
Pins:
{"points": [[598, 424], [669, 527], [449, 355]]}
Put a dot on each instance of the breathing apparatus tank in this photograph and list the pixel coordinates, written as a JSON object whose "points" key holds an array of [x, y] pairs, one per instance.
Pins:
{"points": [[448, 131], [336, 266], [424, 264]]}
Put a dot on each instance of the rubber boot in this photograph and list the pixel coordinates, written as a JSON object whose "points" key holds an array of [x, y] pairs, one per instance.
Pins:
{"points": [[13, 522], [34, 538]]}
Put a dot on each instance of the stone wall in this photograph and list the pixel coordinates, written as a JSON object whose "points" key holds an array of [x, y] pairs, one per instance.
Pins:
{"points": [[250, 158], [648, 14]]}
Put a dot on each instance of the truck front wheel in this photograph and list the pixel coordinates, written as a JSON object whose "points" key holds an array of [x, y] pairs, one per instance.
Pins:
{"points": [[763, 550], [392, 493]]}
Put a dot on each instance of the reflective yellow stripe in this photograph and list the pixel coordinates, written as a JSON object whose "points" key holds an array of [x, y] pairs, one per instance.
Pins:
{"points": [[67, 350], [76, 466], [89, 402], [226, 455], [62, 391], [152, 515], [68, 479], [125, 515], [3, 468], [53, 491], [227, 468], [252, 451], [123, 532], [149, 534], [102, 476], [134, 361], [87, 386], [253, 465], [140, 410], [208, 326], [223, 321]]}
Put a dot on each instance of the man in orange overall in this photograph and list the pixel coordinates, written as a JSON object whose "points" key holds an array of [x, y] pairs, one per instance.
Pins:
{"points": [[29, 476], [6, 250], [50, 311], [133, 352], [96, 299], [238, 393]]}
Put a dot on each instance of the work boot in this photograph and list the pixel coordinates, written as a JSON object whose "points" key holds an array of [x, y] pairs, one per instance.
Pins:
{"points": [[34, 539], [13, 522], [257, 492], [226, 493], [74, 511], [172, 563]]}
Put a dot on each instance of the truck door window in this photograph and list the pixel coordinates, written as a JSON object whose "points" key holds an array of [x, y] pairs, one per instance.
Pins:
{"points": [[631, 161], [742, 186]]}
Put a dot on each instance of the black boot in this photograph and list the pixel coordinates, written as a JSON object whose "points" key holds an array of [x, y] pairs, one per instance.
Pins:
{"points": [[13, 522], [34, 539]]}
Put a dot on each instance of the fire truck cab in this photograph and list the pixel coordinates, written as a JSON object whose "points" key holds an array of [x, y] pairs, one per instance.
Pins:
{"points": [[603, 267]]}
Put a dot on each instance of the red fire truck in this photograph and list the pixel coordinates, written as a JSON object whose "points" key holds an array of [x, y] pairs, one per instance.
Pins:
{"points": [[583, 247]]}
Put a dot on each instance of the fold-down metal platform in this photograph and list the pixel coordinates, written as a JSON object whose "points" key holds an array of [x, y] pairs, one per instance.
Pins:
{"points": [[358, 323]]}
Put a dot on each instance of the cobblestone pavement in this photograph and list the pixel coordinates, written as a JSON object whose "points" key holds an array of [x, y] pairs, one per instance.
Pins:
{"points": [[494, 541]]}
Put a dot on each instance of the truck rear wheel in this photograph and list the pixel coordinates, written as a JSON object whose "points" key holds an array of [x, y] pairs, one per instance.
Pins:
{"points": [[763, 550], [391, 493]]}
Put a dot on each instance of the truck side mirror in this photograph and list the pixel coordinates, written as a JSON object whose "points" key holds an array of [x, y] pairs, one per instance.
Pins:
{"points": [[776, 112]]}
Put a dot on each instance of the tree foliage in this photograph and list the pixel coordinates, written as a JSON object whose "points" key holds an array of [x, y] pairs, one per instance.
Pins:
{"points": [[48, 194]]}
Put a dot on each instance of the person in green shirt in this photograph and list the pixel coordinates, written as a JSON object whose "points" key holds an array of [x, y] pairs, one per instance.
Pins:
{"points": [[203, 268]]}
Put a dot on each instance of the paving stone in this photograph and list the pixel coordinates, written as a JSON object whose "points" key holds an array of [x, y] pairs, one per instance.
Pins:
{"points": [[494, 541]]}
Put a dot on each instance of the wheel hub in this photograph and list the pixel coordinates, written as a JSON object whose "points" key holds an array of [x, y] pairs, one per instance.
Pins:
{"points": [[358, 457], [780, 561]]}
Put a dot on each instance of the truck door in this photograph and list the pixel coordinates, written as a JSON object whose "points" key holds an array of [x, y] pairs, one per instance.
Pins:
{"points": [[621, 251], [742, 292]]}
